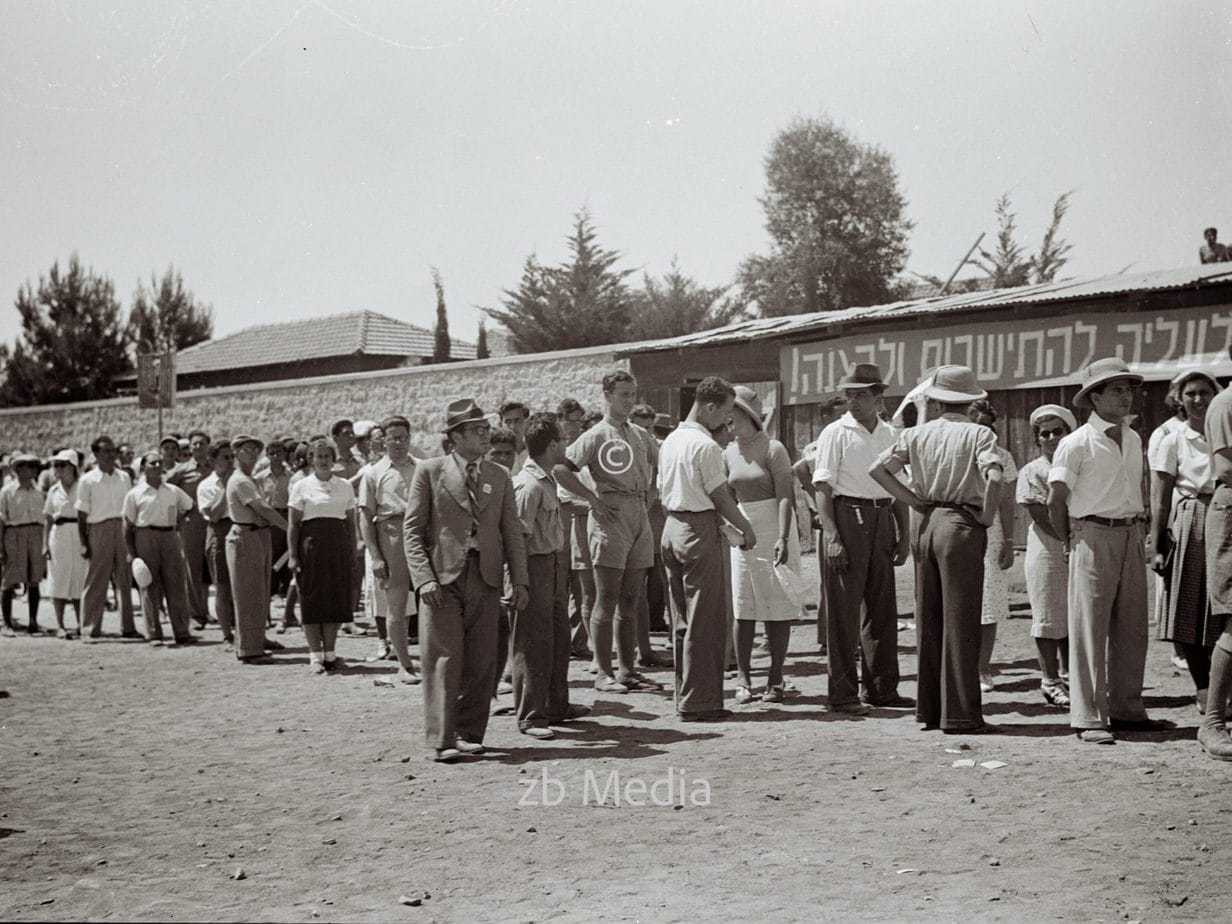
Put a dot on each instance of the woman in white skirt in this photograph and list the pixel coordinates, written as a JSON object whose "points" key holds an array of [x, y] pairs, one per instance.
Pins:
{"points": [[759, 473], [62, 542], [1047, 562], [999, 556]]}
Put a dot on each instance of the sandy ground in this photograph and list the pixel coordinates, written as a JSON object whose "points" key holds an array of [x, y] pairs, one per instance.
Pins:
{"points": [[138, 780]]}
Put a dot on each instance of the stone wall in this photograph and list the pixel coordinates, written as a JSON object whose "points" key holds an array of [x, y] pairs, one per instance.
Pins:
{"points": [[306, 406]]}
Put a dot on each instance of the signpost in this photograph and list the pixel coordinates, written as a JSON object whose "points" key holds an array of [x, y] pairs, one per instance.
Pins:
{"points": [[156, 382]]}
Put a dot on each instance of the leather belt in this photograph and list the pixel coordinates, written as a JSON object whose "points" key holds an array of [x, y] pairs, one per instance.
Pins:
{"points": [[160, 529], [60, 521], [1110, 521], [251, 525], [865, 501]]}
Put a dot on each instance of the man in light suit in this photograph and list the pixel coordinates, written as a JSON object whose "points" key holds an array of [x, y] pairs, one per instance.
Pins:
{"points": [[461, 530]]}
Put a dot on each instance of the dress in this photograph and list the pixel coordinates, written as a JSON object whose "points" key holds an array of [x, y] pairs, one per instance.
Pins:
{"points": [[1185, 616], [1047, 563], [758, 477], [68, 568], [325, 550], [996, 604]]}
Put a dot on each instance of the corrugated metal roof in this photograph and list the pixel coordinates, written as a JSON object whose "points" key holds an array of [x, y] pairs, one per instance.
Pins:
{"points": [[1066, 290], [356, 332]]}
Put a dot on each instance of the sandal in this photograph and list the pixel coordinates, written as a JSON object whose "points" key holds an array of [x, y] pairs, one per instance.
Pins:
{"points": [[1055, 695], [743, 695]]}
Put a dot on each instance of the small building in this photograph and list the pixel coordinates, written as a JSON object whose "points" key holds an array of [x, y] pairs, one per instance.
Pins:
{"points": [[357, 341], [1027, 345]]}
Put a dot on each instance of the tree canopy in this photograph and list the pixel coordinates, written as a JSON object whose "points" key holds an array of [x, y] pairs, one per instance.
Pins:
{"points": [[1008, 264], [584, 301], [440, 332], [676, 304], [73, 342], [167, 316], [836, 221]]}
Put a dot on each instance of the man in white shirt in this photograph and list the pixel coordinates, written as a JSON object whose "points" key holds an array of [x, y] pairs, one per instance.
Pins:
{"points": [[864, 536], [153, 512], [693, 488], [212, 502], [1096, 503], [100, 501]]}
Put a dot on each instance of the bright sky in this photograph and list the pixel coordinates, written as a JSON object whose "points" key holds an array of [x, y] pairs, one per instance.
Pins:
{"points": [[305, 157]]}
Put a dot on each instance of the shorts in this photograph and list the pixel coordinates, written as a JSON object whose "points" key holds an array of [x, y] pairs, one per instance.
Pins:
{"points": [[1219, 552], [23, 555], [624, 541]]}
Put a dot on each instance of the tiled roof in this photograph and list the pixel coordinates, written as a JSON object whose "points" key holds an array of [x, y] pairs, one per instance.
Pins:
{"points": [[354, 333], [1060, 291]]}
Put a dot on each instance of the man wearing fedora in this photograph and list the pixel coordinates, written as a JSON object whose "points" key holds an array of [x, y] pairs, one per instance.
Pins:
{"points": [[461, 531], [955, 486], [864, 535], [1096, 503]]}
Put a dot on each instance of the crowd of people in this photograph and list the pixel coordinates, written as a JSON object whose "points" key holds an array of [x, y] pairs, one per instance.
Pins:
{"points": [[561, 534]]}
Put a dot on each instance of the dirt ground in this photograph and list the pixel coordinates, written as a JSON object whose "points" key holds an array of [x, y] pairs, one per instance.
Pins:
{"points": [[138, 781]]}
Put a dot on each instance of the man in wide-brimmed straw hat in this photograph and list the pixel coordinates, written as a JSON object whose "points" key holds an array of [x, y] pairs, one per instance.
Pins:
{"points": [[956, 487], [864, 535], [1096, 504], [461, 531]]}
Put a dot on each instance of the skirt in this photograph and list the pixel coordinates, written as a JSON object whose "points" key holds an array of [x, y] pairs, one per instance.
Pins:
{"points": [[1047, 573], [68, 568], [326, 563], [995, 607], [757, 592], [1186, 615]]}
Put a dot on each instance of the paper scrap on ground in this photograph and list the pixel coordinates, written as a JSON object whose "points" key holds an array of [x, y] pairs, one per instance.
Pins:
{"points": [[963, 763], [994, 764]]}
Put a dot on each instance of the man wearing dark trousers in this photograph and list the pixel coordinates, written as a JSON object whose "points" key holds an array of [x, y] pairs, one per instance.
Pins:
{"points": [[461, 530], [955, 486], [693, 487], [864, 536]]}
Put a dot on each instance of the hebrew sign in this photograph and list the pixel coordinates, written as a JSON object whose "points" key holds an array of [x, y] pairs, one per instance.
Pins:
{"points": [[1014, 354]]}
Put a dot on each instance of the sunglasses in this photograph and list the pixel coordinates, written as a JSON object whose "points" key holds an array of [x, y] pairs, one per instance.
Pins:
{"points": [[1057, 431]]}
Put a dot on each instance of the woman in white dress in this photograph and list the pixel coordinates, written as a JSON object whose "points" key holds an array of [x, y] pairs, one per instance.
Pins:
{"points": [[999, 557], [62, 541], [1046, 566], [759, 473]]}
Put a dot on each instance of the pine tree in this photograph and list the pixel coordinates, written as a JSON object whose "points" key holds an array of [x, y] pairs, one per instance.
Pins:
{"points": [[582, 302], [676, 304], [440, 333], [73, 343], [168, 316], [481, 342]]}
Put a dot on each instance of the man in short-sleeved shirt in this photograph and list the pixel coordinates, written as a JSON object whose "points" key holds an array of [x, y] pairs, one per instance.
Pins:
{"points": [[153, 511], [694, 491], [100, 505], [618, 456], [1095, 502], [955, 484], [864, 535], [1213, 734]]}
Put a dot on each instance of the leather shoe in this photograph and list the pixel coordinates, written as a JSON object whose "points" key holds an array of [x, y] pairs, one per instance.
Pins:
{"points": [[856, 708], [1215, 741], [1096, 736], [446, 755], [472, 748], [892, 702], [131, 633], [709, 715], [539, 732], [984, 729]]}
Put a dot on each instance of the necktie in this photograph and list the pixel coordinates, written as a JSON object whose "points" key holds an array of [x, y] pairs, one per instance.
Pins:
{"points": [[472, 494]]}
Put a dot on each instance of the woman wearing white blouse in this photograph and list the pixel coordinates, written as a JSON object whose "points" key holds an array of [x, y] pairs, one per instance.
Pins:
{"points": [[1182, 484], [321, 539]]}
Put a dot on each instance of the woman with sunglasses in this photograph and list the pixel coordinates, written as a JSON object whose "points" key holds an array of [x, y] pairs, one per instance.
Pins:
{"points": [[1182, 483], [1047, 562]]}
